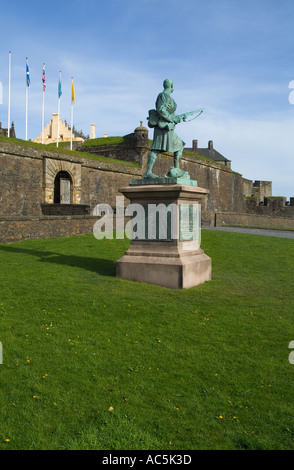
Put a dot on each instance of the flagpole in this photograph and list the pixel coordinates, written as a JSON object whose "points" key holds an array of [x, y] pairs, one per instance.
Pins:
{"points": [[9, 80], [71, 114], [58, 112], [59, 85], [26, 102], [26, 138], [43, 102]]}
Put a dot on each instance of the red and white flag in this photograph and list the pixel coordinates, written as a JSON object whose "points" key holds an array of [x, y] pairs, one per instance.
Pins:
{"points": [[43, 78]]}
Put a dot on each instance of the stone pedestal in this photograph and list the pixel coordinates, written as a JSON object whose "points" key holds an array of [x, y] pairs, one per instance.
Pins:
{"points": [[176, 260]]}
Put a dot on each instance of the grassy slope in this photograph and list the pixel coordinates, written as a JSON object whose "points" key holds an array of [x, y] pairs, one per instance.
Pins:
{"points": [[204, 368], [61, 150], [100, 141]]}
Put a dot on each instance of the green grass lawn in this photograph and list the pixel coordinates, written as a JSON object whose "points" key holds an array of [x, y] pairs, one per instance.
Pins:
{"points": [[91, 361]]}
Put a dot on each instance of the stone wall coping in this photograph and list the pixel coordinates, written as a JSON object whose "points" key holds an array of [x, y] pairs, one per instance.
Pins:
{"points": [[46, 217]]}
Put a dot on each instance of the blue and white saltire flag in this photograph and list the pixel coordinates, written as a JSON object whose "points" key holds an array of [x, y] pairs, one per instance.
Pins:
{"points": [[59, 88], [28, 75]]}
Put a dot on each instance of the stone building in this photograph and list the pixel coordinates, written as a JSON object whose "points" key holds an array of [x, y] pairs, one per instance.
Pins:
{"points": [[51, 129], [210, 153], [4, 132]]}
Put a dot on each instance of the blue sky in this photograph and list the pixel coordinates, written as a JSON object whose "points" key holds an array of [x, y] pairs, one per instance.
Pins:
{"points": [[234, 58]]}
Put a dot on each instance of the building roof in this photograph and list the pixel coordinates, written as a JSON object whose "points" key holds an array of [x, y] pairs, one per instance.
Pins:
{"points": [[208, 152]]}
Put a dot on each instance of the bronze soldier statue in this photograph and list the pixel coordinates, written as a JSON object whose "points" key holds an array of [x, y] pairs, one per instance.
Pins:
{"points": [[164, 120]]}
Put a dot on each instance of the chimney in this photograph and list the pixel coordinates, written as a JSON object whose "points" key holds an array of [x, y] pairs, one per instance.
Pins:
{"points": [[194, 146], [210, 144], [92, 131]]}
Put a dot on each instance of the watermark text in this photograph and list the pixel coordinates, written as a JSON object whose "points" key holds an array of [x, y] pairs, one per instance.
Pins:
{"points": [[148, 221]]}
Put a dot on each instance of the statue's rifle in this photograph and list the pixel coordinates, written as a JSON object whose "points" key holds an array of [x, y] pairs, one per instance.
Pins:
{"points": [[191, 113]]}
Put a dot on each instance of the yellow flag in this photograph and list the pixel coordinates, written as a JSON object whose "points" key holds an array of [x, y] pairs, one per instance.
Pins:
{"points": [[73, 93]]}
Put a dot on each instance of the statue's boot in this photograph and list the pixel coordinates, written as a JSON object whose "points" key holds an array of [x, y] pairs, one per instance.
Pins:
{"points": [[151, 160], [177, 157], [176, 171]]}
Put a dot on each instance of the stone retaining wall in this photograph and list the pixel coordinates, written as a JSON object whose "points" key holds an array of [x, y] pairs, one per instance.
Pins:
{"points": [[23, 228], [253, 220]]}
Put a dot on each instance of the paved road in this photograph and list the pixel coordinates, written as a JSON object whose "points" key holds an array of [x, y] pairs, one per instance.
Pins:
{"points": [[256, 231]]}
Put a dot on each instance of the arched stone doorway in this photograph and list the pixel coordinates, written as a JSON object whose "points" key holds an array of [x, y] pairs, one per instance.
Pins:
{"points": [[52, 168], [63, 188]]}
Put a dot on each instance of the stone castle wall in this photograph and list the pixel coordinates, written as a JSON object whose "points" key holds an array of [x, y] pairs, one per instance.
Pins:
{"points": [[26, 207], [27, 174], [225, 187]]}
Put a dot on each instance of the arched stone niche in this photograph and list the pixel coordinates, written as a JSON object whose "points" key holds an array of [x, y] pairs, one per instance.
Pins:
{"points": [[51, 168]]}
